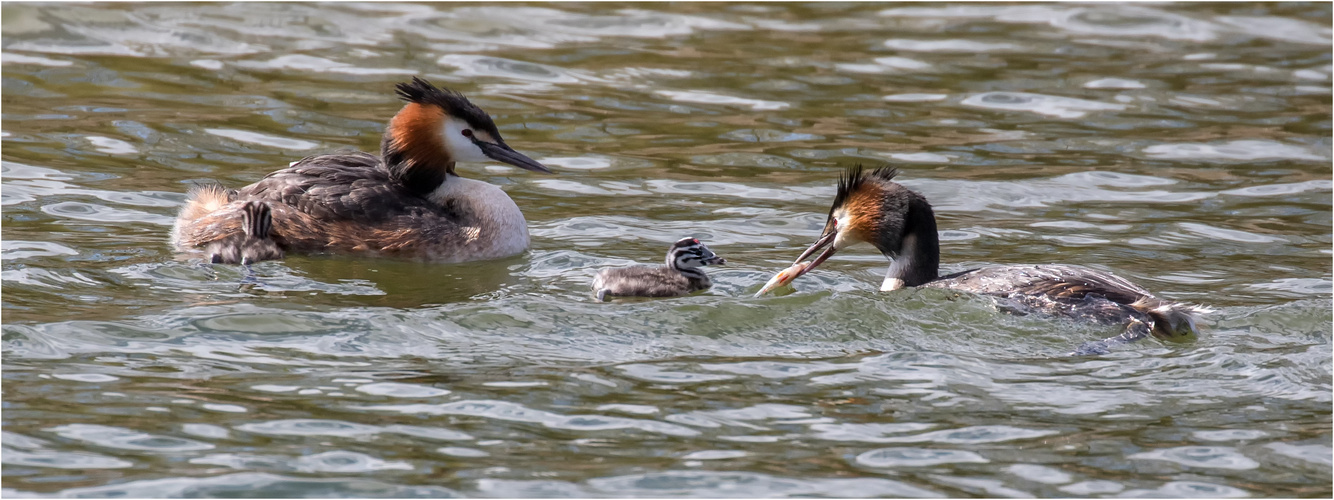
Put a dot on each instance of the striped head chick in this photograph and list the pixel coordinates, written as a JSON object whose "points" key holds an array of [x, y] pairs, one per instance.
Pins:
{"points": [[688, 255], [437, 128], [682, 274], [253, 244], [869, 207]]}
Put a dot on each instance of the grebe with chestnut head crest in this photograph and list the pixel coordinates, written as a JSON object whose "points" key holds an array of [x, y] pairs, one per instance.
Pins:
{"points": [[872, 208], [409, 202]]}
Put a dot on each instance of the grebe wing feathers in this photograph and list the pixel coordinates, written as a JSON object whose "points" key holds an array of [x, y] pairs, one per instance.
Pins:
{"points": [[1056, 282], [348, 202], [349, 186]]}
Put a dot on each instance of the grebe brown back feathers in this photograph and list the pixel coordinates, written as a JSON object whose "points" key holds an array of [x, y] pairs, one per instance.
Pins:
{"points": [[407, 203], [871, 208], [682, 274]]}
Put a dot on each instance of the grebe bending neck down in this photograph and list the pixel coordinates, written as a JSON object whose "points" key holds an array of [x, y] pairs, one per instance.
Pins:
{"points": [[407, 203], [682, 274], [871, 208]]}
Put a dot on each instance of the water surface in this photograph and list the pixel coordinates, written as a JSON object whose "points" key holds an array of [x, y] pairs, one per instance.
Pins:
{"points": [[1186, 147]]}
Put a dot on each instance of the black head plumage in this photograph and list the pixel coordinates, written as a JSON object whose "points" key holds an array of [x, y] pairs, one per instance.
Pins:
{"points": [[455, 104], [689, 253], [854, 178]]}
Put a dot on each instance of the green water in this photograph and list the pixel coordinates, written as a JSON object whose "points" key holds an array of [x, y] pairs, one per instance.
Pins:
{"points": [[1186, 147]]}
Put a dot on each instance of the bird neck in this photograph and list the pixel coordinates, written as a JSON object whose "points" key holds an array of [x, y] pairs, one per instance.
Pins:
{"points": [[698, 280], [491, 220], [918, 259], [690, 272], [413, 152]]}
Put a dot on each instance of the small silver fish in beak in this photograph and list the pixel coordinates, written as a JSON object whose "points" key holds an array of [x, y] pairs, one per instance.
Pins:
{"points": [[798, 268], [783, 278]]}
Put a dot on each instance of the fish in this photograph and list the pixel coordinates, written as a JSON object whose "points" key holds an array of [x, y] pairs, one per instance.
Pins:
{"points": [[783, 278]]}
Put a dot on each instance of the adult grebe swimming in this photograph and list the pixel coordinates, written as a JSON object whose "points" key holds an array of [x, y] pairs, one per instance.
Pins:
{"points": [[871, 208], [407, 203]]}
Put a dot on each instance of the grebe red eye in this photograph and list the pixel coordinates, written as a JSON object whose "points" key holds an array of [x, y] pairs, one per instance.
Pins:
{"points": [[467, 132]]}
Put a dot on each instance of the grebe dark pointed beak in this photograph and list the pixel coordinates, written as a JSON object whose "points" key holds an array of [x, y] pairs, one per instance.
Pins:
{"points": [[826, 240], [503, 153], [799, 268]]}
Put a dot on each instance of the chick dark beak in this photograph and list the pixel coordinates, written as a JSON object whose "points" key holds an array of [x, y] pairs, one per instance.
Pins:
{"points": [[503, 153], [826, 240], [715, 260]]}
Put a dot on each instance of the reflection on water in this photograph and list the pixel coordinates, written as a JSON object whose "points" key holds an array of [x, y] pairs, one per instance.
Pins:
{"points": [[1183, 146]]}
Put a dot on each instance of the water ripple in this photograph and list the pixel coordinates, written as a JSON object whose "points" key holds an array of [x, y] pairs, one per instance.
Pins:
{"points": [[14, 249], [1050, 105], [1282, 189], [309, 427], [948, 45], [1183, 145], [346, 462], [749, 484], [399, 390], [258, 484], [473, 66], [61, 459], [503, 410], [1232, 151], [125, 439], [701, 97], [1188, 489], [262, 139], [100, 213], [973, 435], [1210, 457], [917, 457]]}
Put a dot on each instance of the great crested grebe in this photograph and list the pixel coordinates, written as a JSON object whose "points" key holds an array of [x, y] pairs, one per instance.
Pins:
{"points": [[871, 208], [407, 203], [682, 274]]}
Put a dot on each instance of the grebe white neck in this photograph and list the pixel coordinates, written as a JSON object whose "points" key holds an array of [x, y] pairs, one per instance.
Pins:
{"points": [[495, 226]]}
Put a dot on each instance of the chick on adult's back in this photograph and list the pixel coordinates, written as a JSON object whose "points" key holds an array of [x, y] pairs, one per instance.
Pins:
{"points": [[406, 203], [682, 274], [253, 244]]}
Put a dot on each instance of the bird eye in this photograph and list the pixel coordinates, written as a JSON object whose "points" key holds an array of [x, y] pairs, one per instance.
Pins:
{"points": [[467, 132]]}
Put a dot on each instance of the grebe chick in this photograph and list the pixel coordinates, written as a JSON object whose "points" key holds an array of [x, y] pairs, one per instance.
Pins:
{"points": [[409, 202], [253, 244], [871, 208], [682, 274]]}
